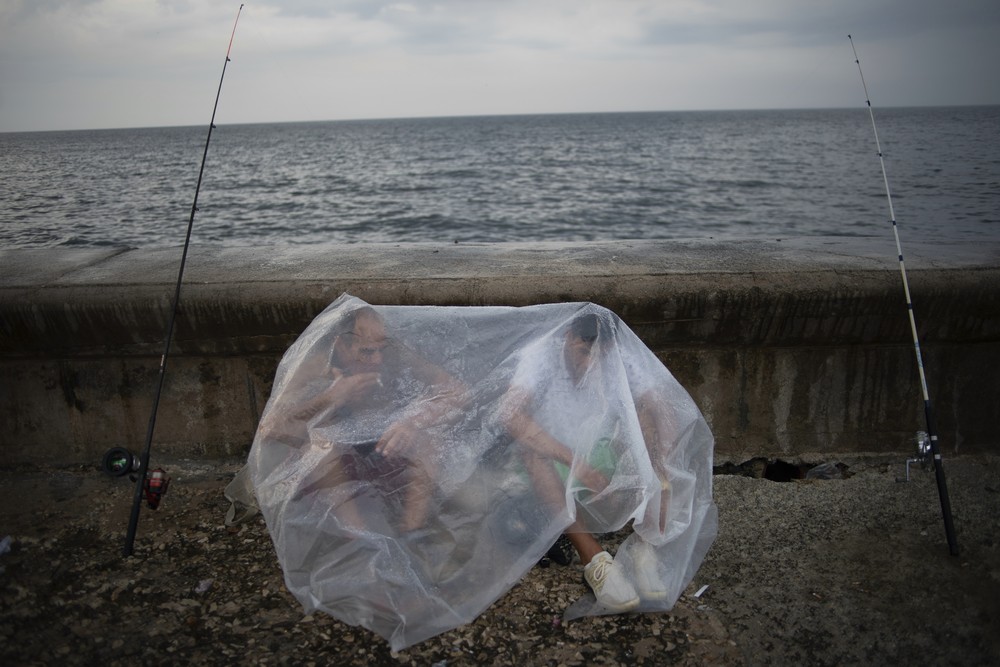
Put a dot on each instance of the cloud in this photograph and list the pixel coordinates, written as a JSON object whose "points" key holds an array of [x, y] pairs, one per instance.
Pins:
{"points": [[109, 63]]}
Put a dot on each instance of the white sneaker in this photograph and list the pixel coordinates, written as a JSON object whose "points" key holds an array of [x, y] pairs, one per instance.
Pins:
{"points": [[646, 574], [610, 586]]}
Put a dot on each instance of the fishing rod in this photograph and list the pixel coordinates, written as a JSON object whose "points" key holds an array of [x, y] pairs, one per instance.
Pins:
{"points": [[928, 411], [159, 481]]}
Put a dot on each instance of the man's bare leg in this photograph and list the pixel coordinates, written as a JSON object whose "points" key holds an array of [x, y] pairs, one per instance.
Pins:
{"points": [[417, 497], [332, 477], [552, 490]]}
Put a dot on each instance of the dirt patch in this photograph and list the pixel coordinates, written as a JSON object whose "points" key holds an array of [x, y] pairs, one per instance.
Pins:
{"points": [[851, 570]]}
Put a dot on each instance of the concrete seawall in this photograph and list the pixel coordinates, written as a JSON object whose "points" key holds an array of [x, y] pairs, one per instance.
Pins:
{"points": [[789, 347]]}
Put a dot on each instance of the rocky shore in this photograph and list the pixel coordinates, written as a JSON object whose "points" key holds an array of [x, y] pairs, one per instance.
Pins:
{"points": [[853, 570]]}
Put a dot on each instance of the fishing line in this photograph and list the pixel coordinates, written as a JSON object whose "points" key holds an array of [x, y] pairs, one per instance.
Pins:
{"points": [[141, 481], [928, 411]]}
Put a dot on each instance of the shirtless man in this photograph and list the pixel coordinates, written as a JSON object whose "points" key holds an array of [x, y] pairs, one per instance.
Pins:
{"points": [[380, 409]]}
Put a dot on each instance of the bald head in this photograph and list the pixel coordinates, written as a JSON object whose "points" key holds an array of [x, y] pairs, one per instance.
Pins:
{"points": [[359, 348]]}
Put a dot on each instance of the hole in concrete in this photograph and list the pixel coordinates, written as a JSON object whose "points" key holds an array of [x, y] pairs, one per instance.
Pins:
{"points": [[778, 470]]}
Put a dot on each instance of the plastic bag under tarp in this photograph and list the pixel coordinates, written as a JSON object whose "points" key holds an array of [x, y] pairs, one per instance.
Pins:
{"points": [[400, 471]]}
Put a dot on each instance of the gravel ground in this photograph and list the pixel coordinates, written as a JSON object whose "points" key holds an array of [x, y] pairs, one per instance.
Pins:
{"points": [[835, 572]]}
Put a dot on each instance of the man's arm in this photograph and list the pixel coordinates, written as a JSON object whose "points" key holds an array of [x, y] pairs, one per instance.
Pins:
{"points": [[657, 422], [517, 419], [342, 391], [441, 402]]}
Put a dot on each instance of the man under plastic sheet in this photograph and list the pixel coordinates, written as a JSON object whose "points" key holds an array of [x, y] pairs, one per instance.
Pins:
{"points": [[413, 463]]}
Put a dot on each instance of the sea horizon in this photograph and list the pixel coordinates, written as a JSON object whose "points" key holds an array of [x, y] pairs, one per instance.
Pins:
{"points": [[218, 122]]}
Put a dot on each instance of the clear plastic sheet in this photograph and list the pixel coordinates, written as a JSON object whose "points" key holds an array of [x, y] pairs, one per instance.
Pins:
{"points": [[413, 463]]}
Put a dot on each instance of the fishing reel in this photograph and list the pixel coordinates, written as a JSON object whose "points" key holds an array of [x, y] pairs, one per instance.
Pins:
{"points": [[155, 487], [923, 446], [923, 457], [119, 462]]}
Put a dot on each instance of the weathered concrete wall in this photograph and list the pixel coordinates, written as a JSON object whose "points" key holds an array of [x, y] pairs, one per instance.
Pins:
{"points": [[788, 347]]}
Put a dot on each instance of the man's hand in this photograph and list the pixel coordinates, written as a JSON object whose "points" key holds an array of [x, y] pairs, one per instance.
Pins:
{"points": [[590, 476], [400, 439], [351, 390]]}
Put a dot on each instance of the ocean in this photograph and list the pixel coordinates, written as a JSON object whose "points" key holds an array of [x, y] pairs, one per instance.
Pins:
{"points": [[566, 177]]}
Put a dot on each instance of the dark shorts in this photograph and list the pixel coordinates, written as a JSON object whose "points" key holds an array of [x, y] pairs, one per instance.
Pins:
{"points": [[364, 464], [361, 463]]}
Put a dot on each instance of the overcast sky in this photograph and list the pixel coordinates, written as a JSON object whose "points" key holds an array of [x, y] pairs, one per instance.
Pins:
{"points": [[72, 64]]}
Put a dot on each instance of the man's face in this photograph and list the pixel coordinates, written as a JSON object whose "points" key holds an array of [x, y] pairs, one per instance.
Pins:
{"points": [[578, 352], [360, 350]]}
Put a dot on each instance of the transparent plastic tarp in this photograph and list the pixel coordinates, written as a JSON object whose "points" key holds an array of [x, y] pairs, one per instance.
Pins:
{"points": [[413, 463]]}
